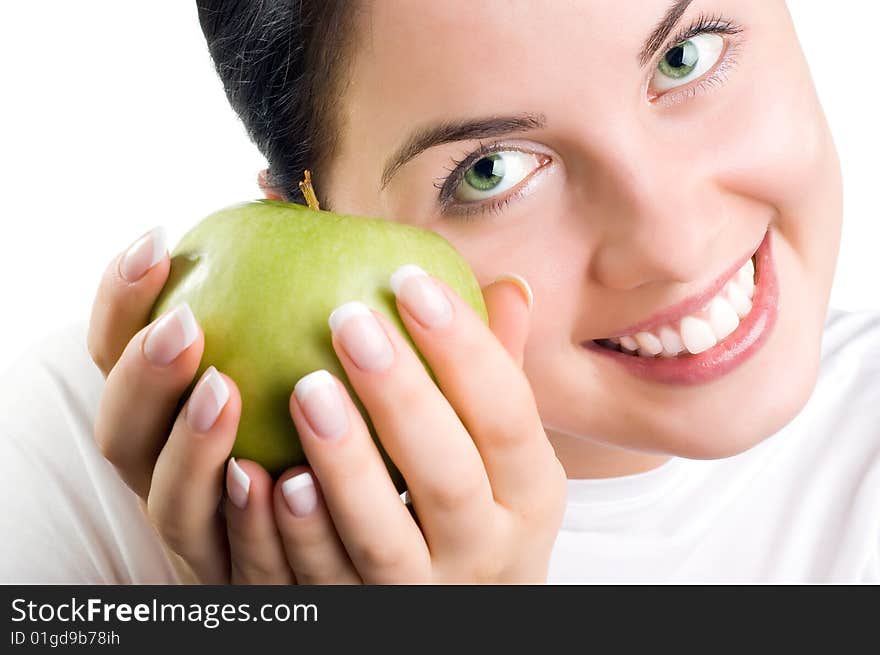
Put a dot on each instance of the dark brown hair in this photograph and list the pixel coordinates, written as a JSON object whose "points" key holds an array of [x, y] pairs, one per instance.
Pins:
{"points": [[283, 64]]}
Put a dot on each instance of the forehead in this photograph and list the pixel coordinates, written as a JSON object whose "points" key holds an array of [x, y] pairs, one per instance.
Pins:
{"points": [[432, 60]]}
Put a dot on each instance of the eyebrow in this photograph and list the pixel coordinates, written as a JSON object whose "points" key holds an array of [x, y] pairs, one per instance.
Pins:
{"points": [[458, 130], [664, 27]]}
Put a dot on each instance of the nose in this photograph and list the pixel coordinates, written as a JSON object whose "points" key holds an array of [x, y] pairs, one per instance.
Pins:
{"points": [[659, 219]]}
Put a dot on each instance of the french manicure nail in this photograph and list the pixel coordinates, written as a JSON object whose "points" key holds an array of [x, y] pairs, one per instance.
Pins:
{"points": [[143, 254], [171, 335], [300, 494], [322, 405], [238, 484], [520, 281], [362, 337], [421, 296], [207, 401]]}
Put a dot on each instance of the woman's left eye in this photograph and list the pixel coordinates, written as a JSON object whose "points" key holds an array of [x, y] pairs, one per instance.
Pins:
{"points": [[495, 173], [687, 61]]}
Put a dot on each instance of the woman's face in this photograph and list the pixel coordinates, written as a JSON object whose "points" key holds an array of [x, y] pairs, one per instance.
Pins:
{"points": [[617, 190]]}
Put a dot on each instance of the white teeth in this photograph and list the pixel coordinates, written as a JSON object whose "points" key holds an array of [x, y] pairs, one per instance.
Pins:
{"points": [[629, 343], [671, 341], [715, 321], [745, 278], [697, 335], [649, 345], [722, 317], [738, 299]]}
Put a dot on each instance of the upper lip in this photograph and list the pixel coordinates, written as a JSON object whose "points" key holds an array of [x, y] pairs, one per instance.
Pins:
{"points": [[687, 306]]}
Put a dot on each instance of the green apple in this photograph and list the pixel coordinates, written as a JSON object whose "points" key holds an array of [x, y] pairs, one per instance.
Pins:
{"points": [[262, 278]]}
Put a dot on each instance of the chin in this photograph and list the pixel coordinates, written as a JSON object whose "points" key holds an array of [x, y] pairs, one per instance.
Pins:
{"points": [[712, 438], [709, 430]]}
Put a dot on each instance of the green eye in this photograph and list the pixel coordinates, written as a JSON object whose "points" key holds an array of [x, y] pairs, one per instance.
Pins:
{"points": [[688, 61], [487, 173], [680, 61], [494, 173]]}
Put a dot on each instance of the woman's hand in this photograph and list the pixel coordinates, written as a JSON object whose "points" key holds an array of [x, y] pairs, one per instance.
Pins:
{"points": [[486, 486], [176, 461]]}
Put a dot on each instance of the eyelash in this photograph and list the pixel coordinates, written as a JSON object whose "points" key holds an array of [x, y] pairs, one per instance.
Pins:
{"points": [[701, 25]]}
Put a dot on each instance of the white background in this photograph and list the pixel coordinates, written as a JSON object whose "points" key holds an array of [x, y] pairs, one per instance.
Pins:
{"points": [[112, 120]]}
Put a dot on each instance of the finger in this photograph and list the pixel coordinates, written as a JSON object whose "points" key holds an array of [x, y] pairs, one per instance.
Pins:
{"points": [[313, 547], [129, 288], [507, 321], [380, 537], [256, 552], [139, 402], [187, 483], [481, 380], [418, 428]]}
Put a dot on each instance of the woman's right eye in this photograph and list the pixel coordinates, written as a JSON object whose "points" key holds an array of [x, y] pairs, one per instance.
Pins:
{"points": [[687, 61], [495, 173]]}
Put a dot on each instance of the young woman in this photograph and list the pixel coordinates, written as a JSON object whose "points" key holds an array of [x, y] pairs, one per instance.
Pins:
{"points": [[661, 395]]}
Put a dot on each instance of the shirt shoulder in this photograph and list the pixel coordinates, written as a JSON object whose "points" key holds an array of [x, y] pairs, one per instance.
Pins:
{"points": [[847, 391], [851, 345], [837, 443], [68, 516]]}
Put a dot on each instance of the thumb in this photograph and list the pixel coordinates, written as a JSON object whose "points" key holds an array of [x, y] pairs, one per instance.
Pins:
{"points": [[508, 302]]}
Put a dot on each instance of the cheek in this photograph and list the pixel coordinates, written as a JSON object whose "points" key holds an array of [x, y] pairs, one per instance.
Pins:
{"points": [[775, 146], [776, 152], [777, 149]]}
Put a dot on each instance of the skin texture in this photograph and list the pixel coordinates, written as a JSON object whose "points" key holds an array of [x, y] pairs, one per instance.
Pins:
{"points": [[643, 204], [640, 201]]}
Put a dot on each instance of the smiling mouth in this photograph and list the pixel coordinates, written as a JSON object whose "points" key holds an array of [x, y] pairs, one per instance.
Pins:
{"points": [[695, 325]]}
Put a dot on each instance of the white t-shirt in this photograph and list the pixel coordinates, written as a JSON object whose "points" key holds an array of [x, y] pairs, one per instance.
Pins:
{"points": [[802, 506]]}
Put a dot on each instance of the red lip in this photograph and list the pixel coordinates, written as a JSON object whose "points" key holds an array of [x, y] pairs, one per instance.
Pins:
{"points": [[722, 358], [687, 306]]}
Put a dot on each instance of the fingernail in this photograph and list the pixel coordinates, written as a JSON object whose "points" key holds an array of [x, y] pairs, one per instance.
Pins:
{"points": [[521, 283], [362, 337], [207, 401], [238, 484], [143, 254], [421, 296], [171, 335], [299, 494], [322, 404]]}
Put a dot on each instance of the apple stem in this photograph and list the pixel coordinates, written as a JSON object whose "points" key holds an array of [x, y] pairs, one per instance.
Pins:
{"points": [[309, 192]]}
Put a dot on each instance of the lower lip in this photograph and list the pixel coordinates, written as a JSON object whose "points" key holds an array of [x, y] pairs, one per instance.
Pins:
{"points": [[722, 358]]}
